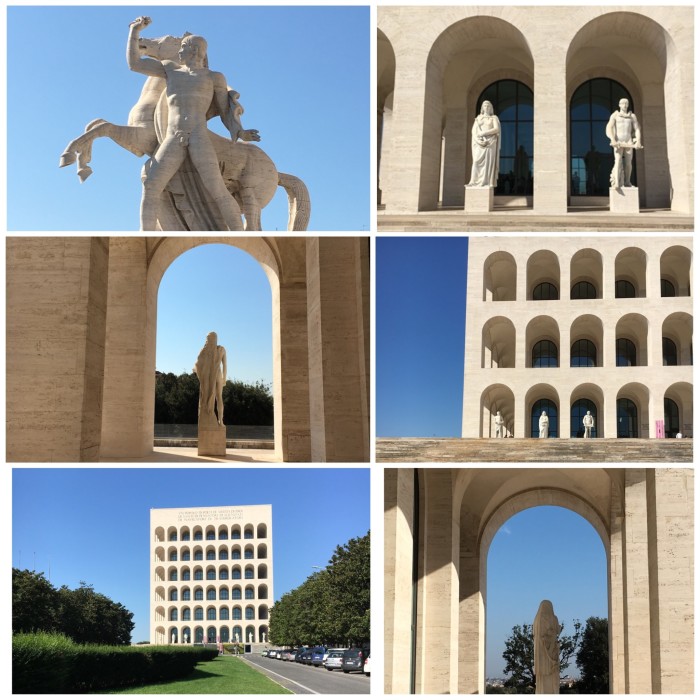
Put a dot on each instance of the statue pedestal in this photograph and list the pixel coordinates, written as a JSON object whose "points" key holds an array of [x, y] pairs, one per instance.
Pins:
{"points": [[624, 200], [478, 200], [211, 439]]}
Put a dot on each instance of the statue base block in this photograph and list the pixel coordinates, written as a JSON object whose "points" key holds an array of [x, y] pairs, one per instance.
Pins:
{"points": [[211, 440], [624, 200], [478, 200]]}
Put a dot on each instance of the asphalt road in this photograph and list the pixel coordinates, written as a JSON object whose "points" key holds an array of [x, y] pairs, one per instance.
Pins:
{"points": [[310, 680]]}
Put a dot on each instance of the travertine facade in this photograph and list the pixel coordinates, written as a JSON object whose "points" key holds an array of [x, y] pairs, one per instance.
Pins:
{"points": [[434, 63], [440, 523], [211, 574], [81, 328], [533, 344]]}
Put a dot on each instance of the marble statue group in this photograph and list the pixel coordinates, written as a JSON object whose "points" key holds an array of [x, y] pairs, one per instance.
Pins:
{"points": [[194, 179]]}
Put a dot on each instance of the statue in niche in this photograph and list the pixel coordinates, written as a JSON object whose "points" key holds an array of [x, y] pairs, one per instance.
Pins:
{"points": [[625, 136], [194, 180], [544, 425], [210, 368], [499, 424], [588, 425], [545, 635], [486, 147]]}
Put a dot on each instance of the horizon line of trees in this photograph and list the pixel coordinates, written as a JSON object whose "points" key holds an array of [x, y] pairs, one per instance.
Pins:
{"points": [[332, 606], [177, 400], [82, 614]]}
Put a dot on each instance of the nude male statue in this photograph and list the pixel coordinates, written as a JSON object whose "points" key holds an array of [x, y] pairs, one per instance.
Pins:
{"points": [[625, 136], [211, 378], [190, 89]]}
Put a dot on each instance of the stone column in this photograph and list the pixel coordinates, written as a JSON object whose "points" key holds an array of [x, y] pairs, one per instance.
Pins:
{"points": [[551, 114], [125, 431], [616, 590], [56, 308], [456, 130], [637, 593], [398, 578], [337, 288]]}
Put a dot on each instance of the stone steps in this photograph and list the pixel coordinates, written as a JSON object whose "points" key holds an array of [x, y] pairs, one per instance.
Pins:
{"points": [[532, 450], [523, 221]]}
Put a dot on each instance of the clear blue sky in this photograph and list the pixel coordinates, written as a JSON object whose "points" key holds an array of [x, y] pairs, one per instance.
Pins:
{"points": [[421, 289], [92, 525], [219, 288], [544, 553], [302, 72]]}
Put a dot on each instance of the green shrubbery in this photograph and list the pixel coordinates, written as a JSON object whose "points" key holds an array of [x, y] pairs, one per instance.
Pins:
{"points": [[46, 662]]}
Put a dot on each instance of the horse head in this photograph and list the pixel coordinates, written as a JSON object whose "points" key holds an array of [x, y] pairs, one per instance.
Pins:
{"points": [[164, 48]]}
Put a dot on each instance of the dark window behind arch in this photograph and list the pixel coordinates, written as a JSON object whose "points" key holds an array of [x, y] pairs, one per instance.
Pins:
{"points": [[672, 423], [545, 291], [544, 354], [578, 411], [624, 290], [591, 155], [670, 352], [513, 105], [627, 426], [550, 408], [583, 353], [583, 290], [667, 288], [625, 353]]}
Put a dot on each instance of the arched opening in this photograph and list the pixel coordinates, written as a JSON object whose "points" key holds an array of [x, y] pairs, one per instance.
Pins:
{"points": [[542, 342], [677, 339], [633, 411], [630, 273], [542, 398], [675, 271], [495, 399], [586, 274], [386, 74], [678, 410], [224, 634], [250, 634], [498, 343], [587, 341], [543, 276], [631, 333], [500, 277]]}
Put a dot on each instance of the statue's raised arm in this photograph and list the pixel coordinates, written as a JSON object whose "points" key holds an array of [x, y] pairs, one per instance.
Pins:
{"points": [[136, 62]]}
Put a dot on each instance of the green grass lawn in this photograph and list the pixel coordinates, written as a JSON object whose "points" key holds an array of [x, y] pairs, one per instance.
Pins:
{"points": [[223, 675]]}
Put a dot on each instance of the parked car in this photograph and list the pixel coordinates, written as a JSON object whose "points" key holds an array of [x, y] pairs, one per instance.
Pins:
{"points": [[317, 655], [329, 650], [299, 654], [353, 660], [367, 665], [289, 654], [306, 657], [333, 661]]}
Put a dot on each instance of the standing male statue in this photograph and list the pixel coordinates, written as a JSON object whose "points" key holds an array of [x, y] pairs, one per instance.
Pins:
{"points": [[498, 424], [625, 136], [544, 425], [190, 90], [588, 423], [208, 369], [545, 636]]}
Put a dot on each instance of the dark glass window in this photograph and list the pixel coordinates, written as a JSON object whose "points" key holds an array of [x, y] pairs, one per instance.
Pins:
{"points": [[186, 575], [583, 353], [583, 290], [545, 354], [186, 615], [223, 594], [223, 614], [667, 288], [627, 419], [224, 631], [237, 614], [211, 594], [173, 615], [248, 554], [198, 575], [545, 291], [592, 157], [236, 573], [578, 411], [249, 594], [185, 537], [198, 633], [198, 556], [248, 535], [672, 424], [624, 290], [211, 634], [185, 556], [513, 105], [249, 614], [670, 352], [550, 408], [223, 575], [173, 556], [223, 554], [199, 594], [197, 536], [211, 575], [186, 594], [173, 536], [211, 614], [236, 535], [249, 573], [198, 614], [173, 595], [625, 353], [236, 593], [173, 576], [211, 536], [211, 556], [223, 535]]}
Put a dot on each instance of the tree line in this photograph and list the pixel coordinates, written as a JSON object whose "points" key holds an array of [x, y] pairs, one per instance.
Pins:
{"points": [[332, 606], [588, 645], [82, 614], [177, 400]]}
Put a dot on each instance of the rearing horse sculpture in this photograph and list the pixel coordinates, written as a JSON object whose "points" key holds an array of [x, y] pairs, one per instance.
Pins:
{"points": [[249, 174]]}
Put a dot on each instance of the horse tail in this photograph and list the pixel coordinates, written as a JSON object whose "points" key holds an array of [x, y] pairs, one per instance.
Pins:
{"points": [[299, 202]]}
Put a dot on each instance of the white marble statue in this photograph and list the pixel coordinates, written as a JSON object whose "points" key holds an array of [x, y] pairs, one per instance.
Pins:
{"points": [[250, 638], [169, 124], [625, 136], [499, 425], [544, 425], [173, 638], [588, 424], [186, 637], [486, 147], [237, 638], [545, 635], [210, 368], [263, 637]]}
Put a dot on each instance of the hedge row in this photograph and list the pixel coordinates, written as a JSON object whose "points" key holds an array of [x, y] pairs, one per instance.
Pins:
{"points": [[45, 662]]}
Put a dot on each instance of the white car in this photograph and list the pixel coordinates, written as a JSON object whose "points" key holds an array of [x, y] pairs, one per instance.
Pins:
{"points": [[333, 661]]}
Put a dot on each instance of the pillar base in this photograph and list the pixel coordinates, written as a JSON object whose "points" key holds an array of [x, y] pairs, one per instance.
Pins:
{"points": [[624, 200], [478, 200], [211, 440]]}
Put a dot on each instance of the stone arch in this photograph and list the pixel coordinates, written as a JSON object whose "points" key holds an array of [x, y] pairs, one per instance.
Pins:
{"points": [[595, 394], [533, 395], [648, 67], [455, 72], [639, 395], [631, 266], [682, 394], [675, 266], [587, 266], [589, 327], [497, 397], [500, 277], [498, 343], [543, 266], [678, 327], [635, 327], [386, 76], [541, 328]]}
